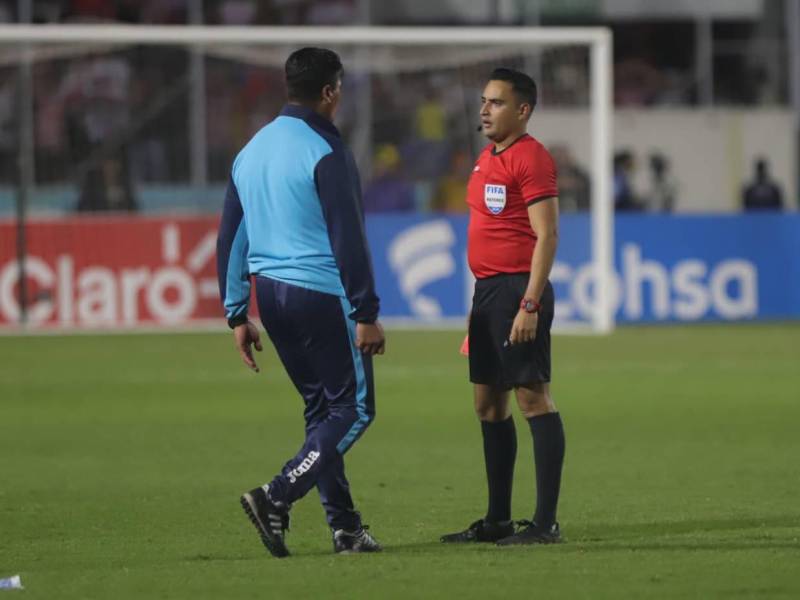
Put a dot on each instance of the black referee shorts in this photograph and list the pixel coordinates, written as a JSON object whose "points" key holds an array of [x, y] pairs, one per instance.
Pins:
{"points": [[492, 360]]}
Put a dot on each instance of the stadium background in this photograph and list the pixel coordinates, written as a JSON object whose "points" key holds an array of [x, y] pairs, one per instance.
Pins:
{"points": [[681, 477]]}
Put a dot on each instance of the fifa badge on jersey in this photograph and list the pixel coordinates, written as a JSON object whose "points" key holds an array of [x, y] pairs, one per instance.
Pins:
{"points": [[494, 196]]}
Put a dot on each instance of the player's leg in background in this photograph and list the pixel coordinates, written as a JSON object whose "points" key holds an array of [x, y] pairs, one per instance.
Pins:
{"points": [[333, 487], [547, 430], [334, 493], [499, 448], [268, 506], [310, 332]]}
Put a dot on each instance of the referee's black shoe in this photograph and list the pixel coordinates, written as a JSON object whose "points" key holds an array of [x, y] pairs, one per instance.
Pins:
{"points": [[480, 531], [531, 533], [352, 542], [270, 519]]}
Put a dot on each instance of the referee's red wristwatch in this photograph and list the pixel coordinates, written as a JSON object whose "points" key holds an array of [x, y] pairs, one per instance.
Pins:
{"points": [[529, 306]]}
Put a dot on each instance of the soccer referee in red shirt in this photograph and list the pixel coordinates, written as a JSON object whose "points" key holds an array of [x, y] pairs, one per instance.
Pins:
{"points": [[512, 240]]}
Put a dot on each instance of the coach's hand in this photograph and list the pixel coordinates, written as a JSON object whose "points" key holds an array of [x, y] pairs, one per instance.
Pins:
{"points": [[370, 339], [246, 335], [524, 327]]}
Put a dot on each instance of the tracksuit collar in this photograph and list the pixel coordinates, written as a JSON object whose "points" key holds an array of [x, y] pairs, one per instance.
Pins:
{"points": [[310, 116]]}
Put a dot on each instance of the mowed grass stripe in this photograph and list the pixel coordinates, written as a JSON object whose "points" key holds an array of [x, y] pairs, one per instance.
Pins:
{"points": [[123, 458]]}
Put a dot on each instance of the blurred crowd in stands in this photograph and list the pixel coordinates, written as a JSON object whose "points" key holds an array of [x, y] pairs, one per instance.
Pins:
{"points": [[111, 119], [759, 193], [177, 12]]}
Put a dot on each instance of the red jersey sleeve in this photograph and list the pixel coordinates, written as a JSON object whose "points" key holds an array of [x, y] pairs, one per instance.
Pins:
{"points": [[536, 173]]}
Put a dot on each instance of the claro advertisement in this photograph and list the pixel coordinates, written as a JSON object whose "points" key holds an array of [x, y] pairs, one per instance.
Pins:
{"points": [[126, 272]]}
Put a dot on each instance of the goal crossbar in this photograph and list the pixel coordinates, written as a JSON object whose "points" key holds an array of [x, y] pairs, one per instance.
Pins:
{"points": [[598, 39], [209, 35]]}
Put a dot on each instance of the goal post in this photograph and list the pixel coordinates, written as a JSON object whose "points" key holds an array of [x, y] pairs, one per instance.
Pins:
{"points": [[381, 49]]}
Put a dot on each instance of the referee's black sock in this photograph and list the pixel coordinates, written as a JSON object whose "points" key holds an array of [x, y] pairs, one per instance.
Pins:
{"points": [[548, 454], [500, 452]]}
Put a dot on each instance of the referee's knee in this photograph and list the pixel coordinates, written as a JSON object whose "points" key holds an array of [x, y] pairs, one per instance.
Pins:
{"points": [[492, 412], [491, 404], [535, 400]]}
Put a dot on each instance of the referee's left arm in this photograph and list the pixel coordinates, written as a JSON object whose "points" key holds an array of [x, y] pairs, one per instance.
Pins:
{"points": [[543, 216]]}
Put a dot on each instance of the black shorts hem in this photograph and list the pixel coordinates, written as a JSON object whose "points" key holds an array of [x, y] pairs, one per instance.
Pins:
{"points": [[507, 386]]}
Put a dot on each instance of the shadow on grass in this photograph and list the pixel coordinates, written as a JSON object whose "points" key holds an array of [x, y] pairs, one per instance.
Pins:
{"points": [[605, 531], [218, 557], [616, 537], [601, 537], [410, 548], [688, 546]]}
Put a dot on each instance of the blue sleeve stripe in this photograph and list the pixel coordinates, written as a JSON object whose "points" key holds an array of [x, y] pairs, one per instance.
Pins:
{"points": [[237, 282]]}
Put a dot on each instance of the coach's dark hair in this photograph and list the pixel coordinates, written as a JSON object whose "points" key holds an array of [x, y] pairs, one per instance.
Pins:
{"points": [[308, 70], [523, 85]]}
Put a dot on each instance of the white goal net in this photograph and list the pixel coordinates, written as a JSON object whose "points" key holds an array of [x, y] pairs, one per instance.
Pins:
{"points": [[113, 120]]}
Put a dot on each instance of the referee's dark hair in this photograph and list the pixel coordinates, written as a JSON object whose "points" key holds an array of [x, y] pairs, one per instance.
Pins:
{"points": [[523, 85], [308, 70]]}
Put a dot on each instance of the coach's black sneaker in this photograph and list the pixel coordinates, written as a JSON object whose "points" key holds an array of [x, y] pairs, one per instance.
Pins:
{"points": [[531, 533], [350, 542], [271, 520], [481, 531]]}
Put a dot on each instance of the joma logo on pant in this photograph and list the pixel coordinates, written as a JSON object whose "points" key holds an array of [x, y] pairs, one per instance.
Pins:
{"points": [[304, 466]]}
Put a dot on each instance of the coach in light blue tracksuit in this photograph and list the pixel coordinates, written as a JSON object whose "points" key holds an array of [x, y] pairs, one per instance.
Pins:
{"points": [[293, 219]]}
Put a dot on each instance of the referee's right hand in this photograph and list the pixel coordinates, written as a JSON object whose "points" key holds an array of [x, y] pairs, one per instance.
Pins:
{"points": [[370, 339]]}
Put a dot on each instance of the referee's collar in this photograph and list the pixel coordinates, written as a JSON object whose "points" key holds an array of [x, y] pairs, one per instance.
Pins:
{"points": [[495, 152], [310, 116]]}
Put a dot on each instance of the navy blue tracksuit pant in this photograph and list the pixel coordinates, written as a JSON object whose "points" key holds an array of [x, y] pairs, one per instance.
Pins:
{"points": [[315, 340]]}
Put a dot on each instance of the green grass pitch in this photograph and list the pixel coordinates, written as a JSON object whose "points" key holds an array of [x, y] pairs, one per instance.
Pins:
{"points": [[123, 458]]}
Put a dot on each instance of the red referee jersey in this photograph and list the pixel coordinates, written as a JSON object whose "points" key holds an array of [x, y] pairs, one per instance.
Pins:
{"points": [[501, 187]]}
